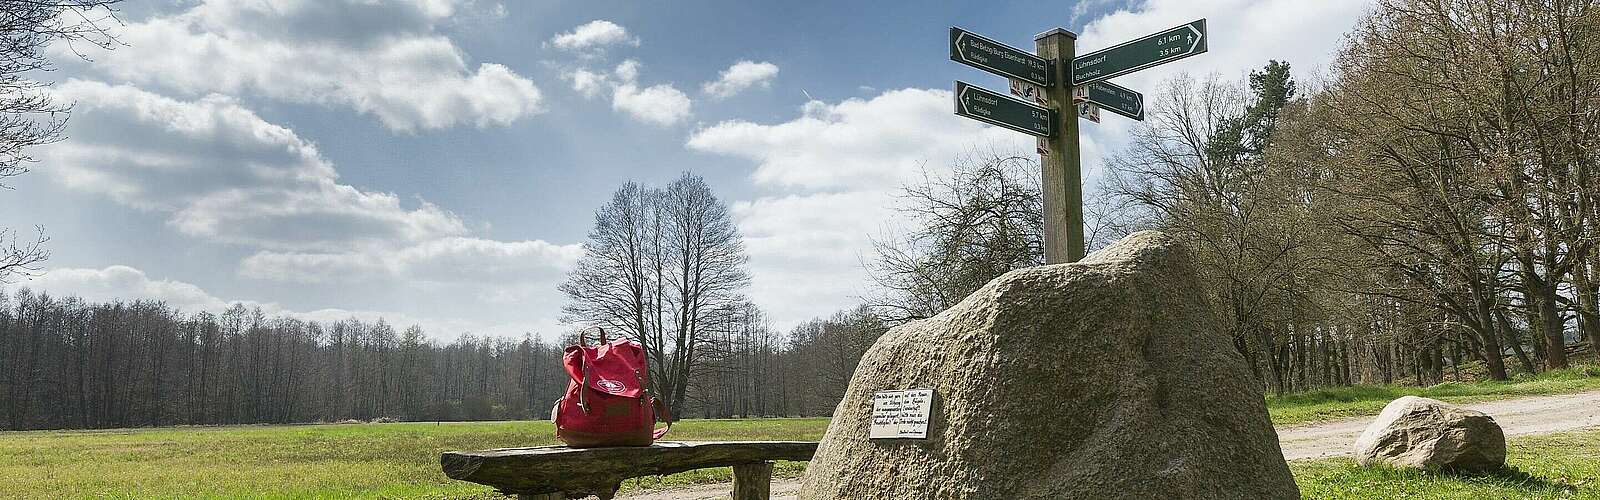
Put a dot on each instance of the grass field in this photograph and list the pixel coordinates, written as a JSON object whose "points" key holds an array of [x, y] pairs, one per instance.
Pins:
{"points": [[401, 459], [1565, 465], [302, 461]]}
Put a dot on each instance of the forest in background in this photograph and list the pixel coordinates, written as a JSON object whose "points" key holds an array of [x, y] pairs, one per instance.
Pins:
{"points": [[68, 364]]}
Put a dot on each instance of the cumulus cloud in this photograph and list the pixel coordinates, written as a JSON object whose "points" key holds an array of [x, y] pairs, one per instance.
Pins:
{"points": [[596, 34], [386, 59], [856, 143], [660, 105], [588, 83], [445, 260], [220, 172], [806, 249], [124, 283], [742, 75], [834, 171]]}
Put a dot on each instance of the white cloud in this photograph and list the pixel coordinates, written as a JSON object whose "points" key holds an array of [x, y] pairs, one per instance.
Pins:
{"points": [[220, 172], [806, 249], [445, 260], [660, 105], [126, 283], [596, 34], [586, 82], [857, 143], [380, 58], [627, 71], [835, 170], [742, 75]]}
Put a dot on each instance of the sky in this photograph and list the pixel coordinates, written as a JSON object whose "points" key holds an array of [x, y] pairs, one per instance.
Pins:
{"points": [[439, 162]]}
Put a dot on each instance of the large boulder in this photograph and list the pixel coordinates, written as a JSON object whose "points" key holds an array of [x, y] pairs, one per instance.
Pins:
{"points": [[1106, 378], [1430, 434]]}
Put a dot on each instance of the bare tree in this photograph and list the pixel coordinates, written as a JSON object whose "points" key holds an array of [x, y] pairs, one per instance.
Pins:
{"points": [[982, 219], [29, 116], [659, 264]]}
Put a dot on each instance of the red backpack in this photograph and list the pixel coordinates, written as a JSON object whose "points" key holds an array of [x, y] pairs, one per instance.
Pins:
{"points": [[607, 403]]}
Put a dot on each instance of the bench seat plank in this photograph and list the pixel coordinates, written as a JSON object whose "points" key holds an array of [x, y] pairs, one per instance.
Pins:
{"points": [[598, 471]]}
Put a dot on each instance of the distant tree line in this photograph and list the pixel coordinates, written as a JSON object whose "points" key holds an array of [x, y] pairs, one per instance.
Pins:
{"points": [[68, 364]]}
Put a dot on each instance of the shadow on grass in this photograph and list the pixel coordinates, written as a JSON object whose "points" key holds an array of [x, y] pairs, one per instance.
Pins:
{"points": [[1510, 476]]}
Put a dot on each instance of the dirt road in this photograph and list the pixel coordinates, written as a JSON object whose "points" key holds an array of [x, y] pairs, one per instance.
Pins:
{"points": [[1533, 415]]}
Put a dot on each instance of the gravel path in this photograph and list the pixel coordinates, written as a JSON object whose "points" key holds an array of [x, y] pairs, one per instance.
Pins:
{"points": [[1532, 415]]}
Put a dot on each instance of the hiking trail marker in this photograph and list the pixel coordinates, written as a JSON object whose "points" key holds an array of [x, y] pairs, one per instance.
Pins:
{"points": [[1058, 89]]}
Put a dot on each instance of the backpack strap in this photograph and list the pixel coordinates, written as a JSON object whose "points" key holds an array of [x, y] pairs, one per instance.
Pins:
{"points": [[583, 359], [666, 415], [583, 336]]}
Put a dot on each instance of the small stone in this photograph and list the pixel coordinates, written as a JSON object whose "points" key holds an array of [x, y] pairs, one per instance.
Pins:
{"points": [[1429, 434]]}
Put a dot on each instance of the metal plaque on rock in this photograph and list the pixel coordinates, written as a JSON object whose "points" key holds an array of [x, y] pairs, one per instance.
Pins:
{"points": [[901, 414]]}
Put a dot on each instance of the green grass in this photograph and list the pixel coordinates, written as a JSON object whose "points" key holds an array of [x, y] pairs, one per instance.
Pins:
{"points": [[1342, 402], [401, 460], [1565, 465], [307, 461]]}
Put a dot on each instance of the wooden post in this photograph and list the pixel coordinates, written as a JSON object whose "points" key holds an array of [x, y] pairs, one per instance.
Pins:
{"points": [[752, 481], [1062, 178]]}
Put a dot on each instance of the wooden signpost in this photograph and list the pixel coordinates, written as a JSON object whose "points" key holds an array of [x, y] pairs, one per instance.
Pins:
{"points": [[1073, 87]]}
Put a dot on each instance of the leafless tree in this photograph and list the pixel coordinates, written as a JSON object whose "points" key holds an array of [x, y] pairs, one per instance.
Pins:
{"points": [[969, 226], [659, 264], [29, 116]]}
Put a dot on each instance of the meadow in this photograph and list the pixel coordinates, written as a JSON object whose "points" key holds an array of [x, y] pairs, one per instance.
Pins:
{"points": [[400, 460]]}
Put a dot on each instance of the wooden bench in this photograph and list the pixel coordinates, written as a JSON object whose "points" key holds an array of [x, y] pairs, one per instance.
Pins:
{"points": [[558, 472]]}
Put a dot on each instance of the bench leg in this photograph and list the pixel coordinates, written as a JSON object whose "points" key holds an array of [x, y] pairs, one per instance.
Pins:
{"points": [[542, 496], [752, 481]]}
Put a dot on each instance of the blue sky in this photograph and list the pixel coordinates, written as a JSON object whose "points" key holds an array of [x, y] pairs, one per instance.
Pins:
{"points": [[439, 161]]}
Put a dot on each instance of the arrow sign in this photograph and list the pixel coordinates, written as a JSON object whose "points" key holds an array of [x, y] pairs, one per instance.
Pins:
{"points": [[996, 109], [1114, 98], [974, 50], [1164, 47]]}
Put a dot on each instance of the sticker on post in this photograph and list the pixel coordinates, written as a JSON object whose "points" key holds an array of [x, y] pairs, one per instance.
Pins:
{"points": [[1089, 111], [901, 414], [1029, 92]]}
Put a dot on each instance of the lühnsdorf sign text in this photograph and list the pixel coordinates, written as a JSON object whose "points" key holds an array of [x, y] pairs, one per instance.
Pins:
{"points": [[997, 109], [1164, 47]]}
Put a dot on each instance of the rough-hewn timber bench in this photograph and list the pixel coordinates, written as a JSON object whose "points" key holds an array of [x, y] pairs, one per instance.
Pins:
{"points": [[557, 472]]}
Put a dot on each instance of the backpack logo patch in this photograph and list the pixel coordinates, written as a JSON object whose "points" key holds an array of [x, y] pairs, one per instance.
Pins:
{"points": [[610, 386]]}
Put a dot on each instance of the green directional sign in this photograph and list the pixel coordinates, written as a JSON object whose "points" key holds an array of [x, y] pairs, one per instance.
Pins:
{"points": [[974, 50], [1164, 47], [993, 108], [1112, 97]]}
